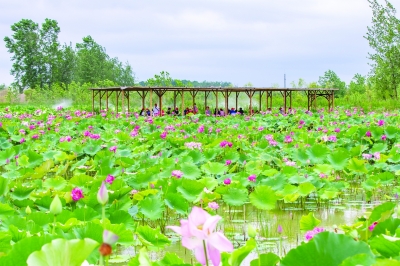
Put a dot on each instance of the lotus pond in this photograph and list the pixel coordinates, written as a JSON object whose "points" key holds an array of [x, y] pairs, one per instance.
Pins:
{"points": [[308, 188]]}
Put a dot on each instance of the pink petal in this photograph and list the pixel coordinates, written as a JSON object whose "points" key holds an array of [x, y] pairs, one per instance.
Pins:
{"points": [[192, 242], [214, 255], [198, 216], [220, 242], [210, 224], [196, 232], [200, 256]]}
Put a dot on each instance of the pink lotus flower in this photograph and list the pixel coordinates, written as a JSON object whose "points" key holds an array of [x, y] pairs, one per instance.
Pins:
{"points": [[227, 181], [163, 135], [252, 178], [110, 179], [372, 226], [213, 205], [310, 234], [377, 155], [368, 134], [77, 194], [113, 149], [22, 140], [198, 234], [383, 137], [177, 173], [367, 156], [228, 162], [102, 194], [381, 123]]}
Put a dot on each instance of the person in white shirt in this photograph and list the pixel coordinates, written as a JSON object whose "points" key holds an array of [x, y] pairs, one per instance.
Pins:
{"points": [[156, 111]]}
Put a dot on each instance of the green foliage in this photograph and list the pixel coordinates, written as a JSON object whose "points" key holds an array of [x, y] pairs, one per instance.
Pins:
{"points": [[63, 252], [383, 37], [331, 80], [326, 248]]}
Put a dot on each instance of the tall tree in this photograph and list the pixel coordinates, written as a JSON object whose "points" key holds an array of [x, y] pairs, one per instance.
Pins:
{"points": [[24, 45], [383, 37], [49, 52], [93, 62], [66, 66], [358, 84], [331, 80]]}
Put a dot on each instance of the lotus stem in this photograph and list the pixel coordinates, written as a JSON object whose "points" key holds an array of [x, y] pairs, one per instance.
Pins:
{"points": [[205, 251]]}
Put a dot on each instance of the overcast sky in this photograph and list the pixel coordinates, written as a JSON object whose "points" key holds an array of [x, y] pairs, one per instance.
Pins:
{"points": [[239, 41]]}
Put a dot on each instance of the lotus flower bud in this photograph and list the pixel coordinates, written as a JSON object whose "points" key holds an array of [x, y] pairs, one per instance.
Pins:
{"points": [[251, 231], [102, 195], [28, 210], [56, 206], [109, 237]]}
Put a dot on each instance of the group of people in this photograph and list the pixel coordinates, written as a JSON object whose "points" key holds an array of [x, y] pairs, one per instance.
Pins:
{"points": [[194, 110]]}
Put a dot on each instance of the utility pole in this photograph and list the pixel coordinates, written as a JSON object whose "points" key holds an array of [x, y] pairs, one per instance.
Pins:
{"points": [[284, 81]]}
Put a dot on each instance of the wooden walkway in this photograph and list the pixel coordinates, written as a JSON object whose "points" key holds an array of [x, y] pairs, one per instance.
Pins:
{"points": [[123, 94]]}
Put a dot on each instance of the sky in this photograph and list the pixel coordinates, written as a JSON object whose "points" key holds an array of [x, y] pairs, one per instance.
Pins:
{"points": [[238, 41]]}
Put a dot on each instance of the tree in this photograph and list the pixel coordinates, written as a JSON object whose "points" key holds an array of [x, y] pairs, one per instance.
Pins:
{"points": [[331, 80], [66, 66], [24, 45], [162, 80], [48, 53], [383, 37], [300, 84], [358, 84]]}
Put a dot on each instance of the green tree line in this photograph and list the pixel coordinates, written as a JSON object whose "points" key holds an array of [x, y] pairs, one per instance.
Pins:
{"points": [[40, 61]]}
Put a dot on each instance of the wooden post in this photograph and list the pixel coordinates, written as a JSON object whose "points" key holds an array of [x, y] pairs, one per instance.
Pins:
{"points": [[284, 101], [117, 96], [226, 101], [182, 104], [160, 103], [216, 102], [127, 98], [107, 101], [236, 102], [151, 100], [259, 102], [174, 100], [92, 101], [251, 104], [100, 99], [122, 101], [205, 100]]}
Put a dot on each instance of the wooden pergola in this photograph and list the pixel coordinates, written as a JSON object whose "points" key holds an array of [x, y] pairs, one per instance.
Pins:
{"points": [[124, 94]]}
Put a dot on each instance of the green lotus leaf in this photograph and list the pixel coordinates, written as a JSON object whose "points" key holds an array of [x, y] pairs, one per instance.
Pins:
{"points": [[235, 196], [338, 159], [22, 249], [85, 214], [306, 188], [317, 153], [63, 252], [191, 189], [122, 217], [190, 170], [382, 212], [263, 197], [300, 155], [359, 259], [152, 238], [357, 166], [387, 246], [238, 255], [379, 147], [152, 207], [3, 186], [56, 183], [91, 148], [326, 248], [309, 222], [268, 259], [177, 202], [43, 169], [169, 259], [213, 168], [196, 156], [21, 192], [391, 132]]}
